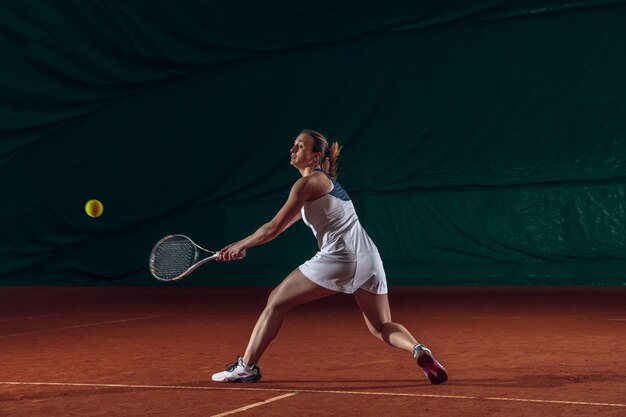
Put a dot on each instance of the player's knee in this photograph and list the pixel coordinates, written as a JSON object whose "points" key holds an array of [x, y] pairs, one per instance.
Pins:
{"points": [[376, 329], [386, 329], [375, 332], [276, 301]]}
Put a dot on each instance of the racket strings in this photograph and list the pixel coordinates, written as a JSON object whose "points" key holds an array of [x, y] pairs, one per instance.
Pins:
{"points": [[173, 257]]}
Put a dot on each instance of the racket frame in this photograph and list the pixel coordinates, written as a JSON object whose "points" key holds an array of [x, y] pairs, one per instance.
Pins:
{"points": [[212, 255]]}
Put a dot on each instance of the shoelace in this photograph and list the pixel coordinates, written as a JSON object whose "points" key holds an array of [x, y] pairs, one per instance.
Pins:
{"points": [[231, 366]]}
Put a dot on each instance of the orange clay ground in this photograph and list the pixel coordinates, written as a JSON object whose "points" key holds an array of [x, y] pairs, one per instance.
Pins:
{"points": [[150, 351]]}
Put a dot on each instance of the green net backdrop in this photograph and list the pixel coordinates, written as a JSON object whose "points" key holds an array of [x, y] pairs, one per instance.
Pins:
{"points": [[484, 143]]}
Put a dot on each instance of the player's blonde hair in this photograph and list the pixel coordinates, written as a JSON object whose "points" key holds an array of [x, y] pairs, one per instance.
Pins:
{"points": [[330, 153]]}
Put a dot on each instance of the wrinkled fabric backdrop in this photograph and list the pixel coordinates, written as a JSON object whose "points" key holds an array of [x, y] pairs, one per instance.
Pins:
{"points": [[484, 143]]}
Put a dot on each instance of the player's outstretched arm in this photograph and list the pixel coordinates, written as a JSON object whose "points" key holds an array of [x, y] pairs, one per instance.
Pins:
{"points": [[302, 191]]}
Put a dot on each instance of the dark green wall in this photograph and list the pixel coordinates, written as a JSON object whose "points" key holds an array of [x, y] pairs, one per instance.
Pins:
{"points": [[483, 144]]}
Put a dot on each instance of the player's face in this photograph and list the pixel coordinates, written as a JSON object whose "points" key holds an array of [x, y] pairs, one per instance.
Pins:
{"points": [[302, 154]]}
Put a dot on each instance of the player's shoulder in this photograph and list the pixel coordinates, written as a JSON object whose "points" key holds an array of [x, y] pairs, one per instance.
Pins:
{"points": [[315, 183]]}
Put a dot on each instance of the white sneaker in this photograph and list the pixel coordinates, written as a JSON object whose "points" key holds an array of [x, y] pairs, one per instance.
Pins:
{"points": [[238, 372]]}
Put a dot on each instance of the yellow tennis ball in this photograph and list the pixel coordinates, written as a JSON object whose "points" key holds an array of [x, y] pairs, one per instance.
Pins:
{"points": [[94, 208]]}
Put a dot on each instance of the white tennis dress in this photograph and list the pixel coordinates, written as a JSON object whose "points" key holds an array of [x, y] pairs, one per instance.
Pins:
{"points": [[347, 259]]}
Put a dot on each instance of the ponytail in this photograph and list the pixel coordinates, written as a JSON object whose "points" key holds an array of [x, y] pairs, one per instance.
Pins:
{"points": [[330, 154], [331, 160]]}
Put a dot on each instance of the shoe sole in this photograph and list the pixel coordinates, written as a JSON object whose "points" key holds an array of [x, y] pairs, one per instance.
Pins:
{"points": [[250, 381], [433, 370], [238, 381], [241, 380]]}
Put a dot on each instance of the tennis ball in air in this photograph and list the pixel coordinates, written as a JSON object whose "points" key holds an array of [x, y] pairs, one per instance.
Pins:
{"points": [[94, 208]]}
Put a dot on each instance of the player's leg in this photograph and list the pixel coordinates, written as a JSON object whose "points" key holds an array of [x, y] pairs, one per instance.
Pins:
{"points": [[296, 289], [377, 314]]}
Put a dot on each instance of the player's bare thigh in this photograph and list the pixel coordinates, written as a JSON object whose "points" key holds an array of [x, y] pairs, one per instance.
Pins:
{"points": [[296, 289], [375, 308]]}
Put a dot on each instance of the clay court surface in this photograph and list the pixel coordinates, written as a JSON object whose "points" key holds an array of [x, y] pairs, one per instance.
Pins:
{"points": [[135, 351]]}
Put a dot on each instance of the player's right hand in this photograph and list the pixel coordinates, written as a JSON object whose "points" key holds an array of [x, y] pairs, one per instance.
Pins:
{"points": [[232, 252]]}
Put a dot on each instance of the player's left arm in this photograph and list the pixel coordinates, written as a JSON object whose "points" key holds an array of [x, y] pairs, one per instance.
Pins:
{"points": [[289, 213], [295, 219]]}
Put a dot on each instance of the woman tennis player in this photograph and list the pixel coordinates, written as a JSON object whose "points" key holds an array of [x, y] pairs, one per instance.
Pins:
{"points": [[347, 261]]}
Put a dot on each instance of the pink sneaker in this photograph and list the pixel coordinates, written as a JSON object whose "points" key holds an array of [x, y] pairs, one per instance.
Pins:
{"points": [[434, 371]]}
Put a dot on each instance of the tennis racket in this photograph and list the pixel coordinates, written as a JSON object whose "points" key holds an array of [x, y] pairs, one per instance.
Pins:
{"points": [[176, 256]]}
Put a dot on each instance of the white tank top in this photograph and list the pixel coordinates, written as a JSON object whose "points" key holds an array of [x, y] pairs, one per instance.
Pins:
{"points": [[335, 224]]}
